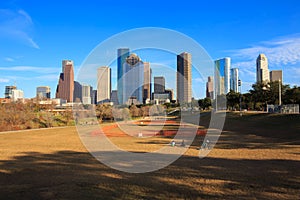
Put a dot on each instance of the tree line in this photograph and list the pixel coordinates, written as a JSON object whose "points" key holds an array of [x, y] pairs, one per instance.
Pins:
{"points": [[19, 116], [258, 97]]}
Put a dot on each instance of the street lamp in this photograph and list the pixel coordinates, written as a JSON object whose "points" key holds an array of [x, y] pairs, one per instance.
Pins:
{"points": [[266, 88], [240, 86], [279, 90]]}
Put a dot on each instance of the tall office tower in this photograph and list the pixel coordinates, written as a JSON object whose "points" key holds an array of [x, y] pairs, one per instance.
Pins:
{"points": [[103, 84], [114, 97], [65, 87], [276, 75], [77, 96], [86, 94], [147, 82], [159, 84], [43, 92], [234, 79], [94, 97], [210, 87], [133, 80], [222, 76], [17, 95], [262, 70], [123, 53], [184, 77], [8, 91]]}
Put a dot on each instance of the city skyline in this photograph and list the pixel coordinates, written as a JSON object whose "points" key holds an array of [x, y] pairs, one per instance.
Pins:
{"points": [[36, 52]]}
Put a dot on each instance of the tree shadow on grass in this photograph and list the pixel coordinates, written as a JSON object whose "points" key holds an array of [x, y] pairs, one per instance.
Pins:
{"points": [[77, 175]]}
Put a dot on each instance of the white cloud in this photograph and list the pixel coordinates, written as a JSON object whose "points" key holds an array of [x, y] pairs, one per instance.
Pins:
{"points": [[17, 25], [280, 51], [42, 70], [4, 80], [8, 59]]}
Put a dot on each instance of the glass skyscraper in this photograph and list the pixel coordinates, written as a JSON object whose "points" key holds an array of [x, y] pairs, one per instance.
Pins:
{"points": [[133, 80], [123, 53], [222, 76], [234, 79]]}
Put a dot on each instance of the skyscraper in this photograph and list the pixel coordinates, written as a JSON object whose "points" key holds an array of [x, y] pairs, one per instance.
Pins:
{"points": [[262, 71], [159, 84], [222, 76], [77, 96], [123, 53], [234, 79], [114, 97], [147, 81], [210, 88], [8, 91], [65, 87], [43, 92], [103, 84], [184, 77], [276, 75], [133, 80], [86, 94], [94, 96]]}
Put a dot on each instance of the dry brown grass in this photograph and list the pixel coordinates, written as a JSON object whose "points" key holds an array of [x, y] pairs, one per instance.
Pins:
{"points": [[53, 164]]}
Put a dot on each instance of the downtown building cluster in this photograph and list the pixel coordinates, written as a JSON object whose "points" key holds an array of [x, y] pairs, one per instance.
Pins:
{"points": [[227, 79], [134, 83]]}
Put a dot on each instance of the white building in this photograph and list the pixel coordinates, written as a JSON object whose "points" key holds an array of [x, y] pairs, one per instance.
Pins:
{"points": [[86, 94], [103, 84], [262, 70], [17, 95]]}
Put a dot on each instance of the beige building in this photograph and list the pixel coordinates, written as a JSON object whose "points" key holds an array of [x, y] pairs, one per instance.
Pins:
{"points": [[43, 92], [103, 84], [147, 81], [210, 87], [65, 87], [184, 77], [262, 70], [276, 75]]}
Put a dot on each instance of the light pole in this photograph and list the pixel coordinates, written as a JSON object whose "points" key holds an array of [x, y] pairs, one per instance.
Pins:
{"points": [[266, 88], [240, 86], [279, 83]]}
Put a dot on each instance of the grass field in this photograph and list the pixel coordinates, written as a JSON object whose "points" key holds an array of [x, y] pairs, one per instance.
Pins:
{"points": [[257, 157]]}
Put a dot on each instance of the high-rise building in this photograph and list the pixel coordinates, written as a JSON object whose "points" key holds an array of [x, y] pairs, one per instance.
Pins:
{"points": [[171, 93], [43, 92], [147, 82], [123, 53], [262, 70], [8, 91], [276, 75], [133, 79], [114, 97], [103, 84], [86, 94], [184, 77], [17, 95], [159, 84], [234, 79], [65, 87], [222, 76], [77, 96], [210, 88], [94, 96]]}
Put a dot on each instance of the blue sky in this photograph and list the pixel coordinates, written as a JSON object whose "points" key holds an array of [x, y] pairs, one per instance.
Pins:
{"points": [[35, 36]]}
